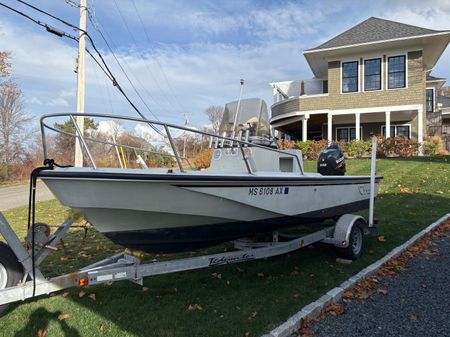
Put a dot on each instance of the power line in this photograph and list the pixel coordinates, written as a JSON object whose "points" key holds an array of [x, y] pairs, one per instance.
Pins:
{"points": [[142, 56], [155, 58], [97, 26], [63, 34]]}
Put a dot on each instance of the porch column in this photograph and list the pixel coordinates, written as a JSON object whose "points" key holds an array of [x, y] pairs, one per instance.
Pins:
{"points": [[420, 129], [388, 124], [330, 128], [305, 128], [357, 126]]}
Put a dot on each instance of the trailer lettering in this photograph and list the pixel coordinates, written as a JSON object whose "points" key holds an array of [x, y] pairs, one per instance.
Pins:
{"points": [[215, 261]]}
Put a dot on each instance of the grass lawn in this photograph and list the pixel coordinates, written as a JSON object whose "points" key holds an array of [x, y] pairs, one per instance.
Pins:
{"points": [[224, 301]]}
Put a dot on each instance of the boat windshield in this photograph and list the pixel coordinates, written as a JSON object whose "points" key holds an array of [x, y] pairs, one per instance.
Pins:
{"points": [[252, 116]]}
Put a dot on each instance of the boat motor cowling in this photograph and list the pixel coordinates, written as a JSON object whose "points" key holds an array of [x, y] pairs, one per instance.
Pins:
{"points": [[331, 161]]}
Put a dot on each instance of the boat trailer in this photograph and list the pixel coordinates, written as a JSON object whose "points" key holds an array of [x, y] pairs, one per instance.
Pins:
{"points": [[346, 234]]}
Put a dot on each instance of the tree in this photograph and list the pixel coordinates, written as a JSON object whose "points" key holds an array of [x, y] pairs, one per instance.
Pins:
{"points": [[14, 123], [65, 145], [215, 113], [4, 64]]}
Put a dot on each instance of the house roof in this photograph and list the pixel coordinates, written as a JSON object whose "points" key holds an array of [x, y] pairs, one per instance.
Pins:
{"points": [[444, 100], [372, 30], [431, 78]]}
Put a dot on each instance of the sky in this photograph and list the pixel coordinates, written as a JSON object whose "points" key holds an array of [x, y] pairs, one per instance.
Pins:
{"points": [[186, 55]]}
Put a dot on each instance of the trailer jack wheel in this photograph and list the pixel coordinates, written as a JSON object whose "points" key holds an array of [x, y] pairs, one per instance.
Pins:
{"points": [[11, 271], [355, 245]]}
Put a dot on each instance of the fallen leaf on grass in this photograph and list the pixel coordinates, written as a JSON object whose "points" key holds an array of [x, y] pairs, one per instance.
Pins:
{"points": [[144, 289], [381, 238], [252, 315], [240, 270], [65, 294], [216, 275], [81, 293], [440, 192], [296, 295], [62, 317], [412, 213], [405, 190], [247, 334], [413, 317], [196, 306], [93, 297], [42, 333], [260, 274]]}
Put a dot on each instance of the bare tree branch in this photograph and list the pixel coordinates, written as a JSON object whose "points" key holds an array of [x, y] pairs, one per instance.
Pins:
{"points": [[215, 113], [14, 123]]}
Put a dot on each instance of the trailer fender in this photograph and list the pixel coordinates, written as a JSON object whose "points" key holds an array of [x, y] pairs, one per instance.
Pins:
{"points": [[343, 228]]}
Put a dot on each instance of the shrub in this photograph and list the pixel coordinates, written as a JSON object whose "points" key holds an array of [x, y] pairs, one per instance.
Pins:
{"points": [[318, 147], [203, 159], [433, 146], [357, 148], [305, 147], [284, 144], [397, 146]]}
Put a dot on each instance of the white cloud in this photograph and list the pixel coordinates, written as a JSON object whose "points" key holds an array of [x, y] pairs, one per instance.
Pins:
{"points": [[148, 133], [110, 128], [58, 102]]}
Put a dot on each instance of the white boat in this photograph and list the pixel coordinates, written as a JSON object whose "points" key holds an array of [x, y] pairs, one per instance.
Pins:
{"points": [[249, 188]]}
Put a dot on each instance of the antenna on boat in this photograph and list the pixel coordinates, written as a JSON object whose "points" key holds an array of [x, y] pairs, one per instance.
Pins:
{"points": [[237, 108]]}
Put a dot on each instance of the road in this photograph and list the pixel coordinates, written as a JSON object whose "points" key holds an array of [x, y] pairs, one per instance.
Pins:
{"points": [[16, 196], [416, 302]]}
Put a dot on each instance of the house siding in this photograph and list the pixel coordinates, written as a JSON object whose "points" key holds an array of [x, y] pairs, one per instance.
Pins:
{"points": [[335, 100]]}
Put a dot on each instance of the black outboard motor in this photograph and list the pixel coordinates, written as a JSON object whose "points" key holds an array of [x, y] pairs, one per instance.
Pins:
{"points": [[331, 161]]}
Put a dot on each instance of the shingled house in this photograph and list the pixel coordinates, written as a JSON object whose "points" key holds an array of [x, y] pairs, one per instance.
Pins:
{"points": [[373, 79]]}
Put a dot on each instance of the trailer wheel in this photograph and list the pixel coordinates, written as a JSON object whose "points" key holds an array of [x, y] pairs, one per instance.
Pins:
{"points": [[11, 271], [356, 244]]}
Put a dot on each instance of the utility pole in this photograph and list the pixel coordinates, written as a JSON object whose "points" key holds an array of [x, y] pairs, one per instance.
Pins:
{"points": [[81, 82]]}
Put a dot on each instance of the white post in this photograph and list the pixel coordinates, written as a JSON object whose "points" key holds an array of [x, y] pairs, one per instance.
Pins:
{"points": [[305, 129], [357, 126], [81, 80], [420, 130], [372, 180], [330, 128], [388, 124]]}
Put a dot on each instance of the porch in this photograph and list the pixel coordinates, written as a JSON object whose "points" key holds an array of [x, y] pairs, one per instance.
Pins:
{"points": [[352, 124]]}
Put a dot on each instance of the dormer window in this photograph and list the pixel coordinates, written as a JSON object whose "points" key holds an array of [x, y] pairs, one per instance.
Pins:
{"points": [[397, 72], [372, 74], [350, 76]]}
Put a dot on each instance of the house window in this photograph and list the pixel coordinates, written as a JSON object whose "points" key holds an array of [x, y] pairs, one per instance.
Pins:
{"points": [[350, 76], [397, 131], [430, 100], [396, 72], [372, 74], [347, 134]]}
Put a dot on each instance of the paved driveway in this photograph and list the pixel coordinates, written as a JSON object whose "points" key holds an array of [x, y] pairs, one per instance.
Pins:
{"points": [[16, 196], [417, 302]]}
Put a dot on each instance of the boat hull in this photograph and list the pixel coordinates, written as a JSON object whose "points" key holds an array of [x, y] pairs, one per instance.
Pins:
{"points": [[166, 213]]}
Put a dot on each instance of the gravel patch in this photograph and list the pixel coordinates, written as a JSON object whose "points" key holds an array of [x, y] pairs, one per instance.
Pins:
{"points": [[417, 302]]}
